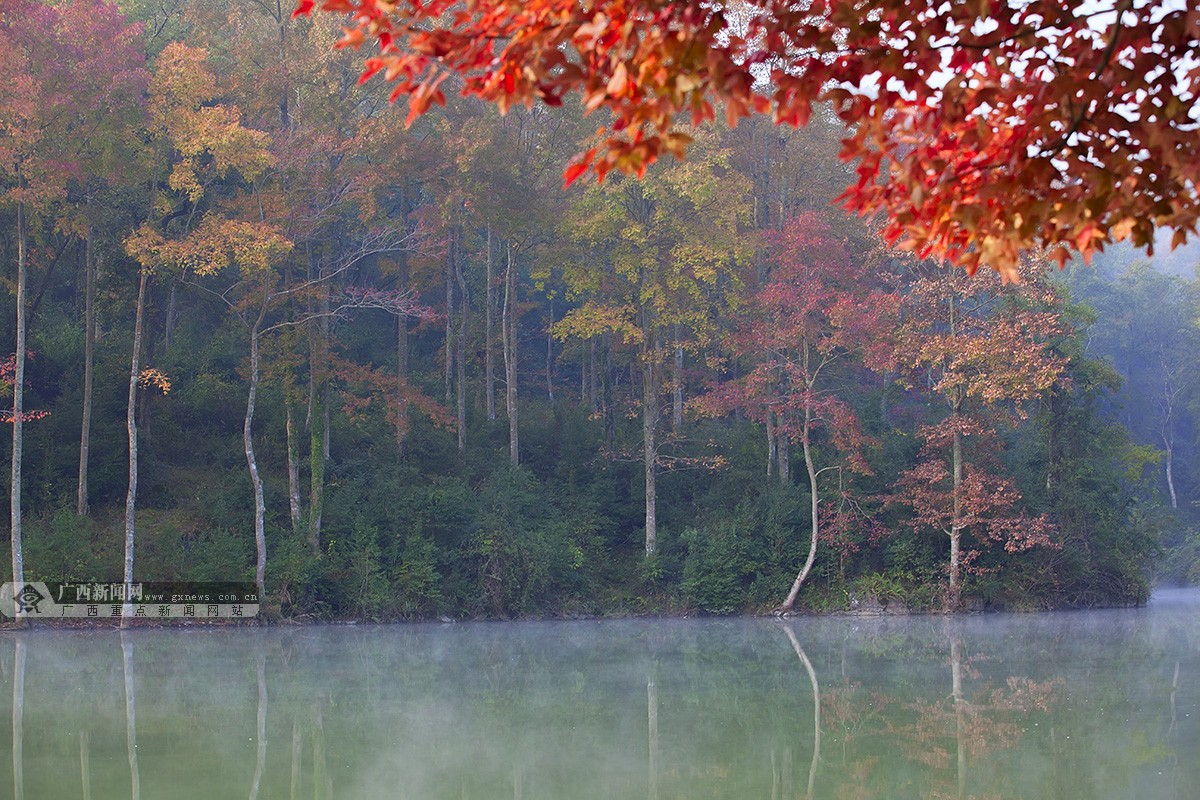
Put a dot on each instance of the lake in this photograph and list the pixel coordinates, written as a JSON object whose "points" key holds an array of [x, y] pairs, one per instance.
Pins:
{"points": [[1087, 705]]}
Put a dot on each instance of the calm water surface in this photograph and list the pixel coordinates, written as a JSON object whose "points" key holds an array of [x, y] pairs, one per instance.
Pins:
{"points": [[1072, 705]]}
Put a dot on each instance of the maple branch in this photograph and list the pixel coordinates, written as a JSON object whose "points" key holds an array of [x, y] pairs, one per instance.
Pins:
{"points": [[1079, 117]]}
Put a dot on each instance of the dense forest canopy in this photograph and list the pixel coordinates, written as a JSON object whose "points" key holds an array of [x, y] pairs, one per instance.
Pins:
{"points": [[262, 331]]}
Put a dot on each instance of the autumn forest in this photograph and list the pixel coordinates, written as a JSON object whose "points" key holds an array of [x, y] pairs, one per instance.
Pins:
{"points": [[258, 329]]}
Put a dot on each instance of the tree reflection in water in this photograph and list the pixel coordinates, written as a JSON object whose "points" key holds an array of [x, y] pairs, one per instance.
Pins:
{"points": [[816, 692], [135, 776], [18, 719]]}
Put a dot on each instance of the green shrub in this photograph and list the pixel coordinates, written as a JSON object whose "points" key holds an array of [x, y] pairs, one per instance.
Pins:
{"points": [[718, 568]]}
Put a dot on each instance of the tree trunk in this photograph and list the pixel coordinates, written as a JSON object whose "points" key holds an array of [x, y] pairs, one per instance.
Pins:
{"points": [[1170, 476], [318, 449], [260, 538], [1167, 432], [293, 467], [594, 367], [172, 316], [489, 355], [131, 429], [677, 389], [814, 505], [550, 355], [402, 360], [449, 371], [316, 475], [461, 348], [772, 443], [650, 446], [509, 334], [18, 413], [89, 361], [606, 397], [955, 597], [783, 457]]}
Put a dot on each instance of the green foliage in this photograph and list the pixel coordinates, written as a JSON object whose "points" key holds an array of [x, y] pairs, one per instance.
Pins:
{"points": [[416, 579], [522, 546], [60, 548], [718, 567], [883, 588], [355, 564]]}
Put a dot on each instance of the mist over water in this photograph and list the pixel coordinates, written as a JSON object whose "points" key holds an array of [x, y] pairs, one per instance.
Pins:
{"points": [[1101, 704]]}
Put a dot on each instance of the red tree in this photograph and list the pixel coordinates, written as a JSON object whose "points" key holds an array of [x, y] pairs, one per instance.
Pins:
{"points": [[816, 308], [993, 125], [984, 349]]}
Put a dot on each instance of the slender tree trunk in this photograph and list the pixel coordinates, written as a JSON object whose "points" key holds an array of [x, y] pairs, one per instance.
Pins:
{"points": [[461, 348], [509, 334], [650, 387], [783, 457], [772, 444], [594, 367], [172, 315], [1170, 476], [316, 475], [583, 377], [18, 413], [489, 353], [131, 429], [610, 420], [318, 451], [550, 355], [1167, 432], [293, 467], [956, 528], [677, 388], [260, 537], [449, 371], [814, 505], [89, 361], [402, 360]]}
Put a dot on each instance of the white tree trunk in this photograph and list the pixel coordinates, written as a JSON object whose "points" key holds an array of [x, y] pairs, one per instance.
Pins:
{"points": [[489, 355], [18, 413], [814, 506], [131, 431], [89, 350], [260, 539], [293, 468], [650, 448], [509, 334]]}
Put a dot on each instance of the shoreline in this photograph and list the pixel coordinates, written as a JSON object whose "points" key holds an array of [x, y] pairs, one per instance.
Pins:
{"points": [[871, 612]]}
